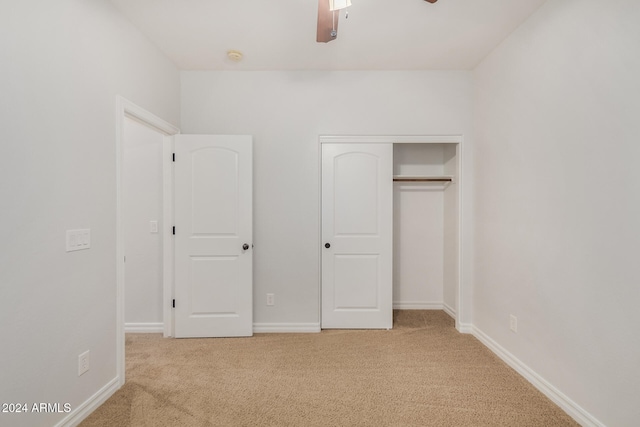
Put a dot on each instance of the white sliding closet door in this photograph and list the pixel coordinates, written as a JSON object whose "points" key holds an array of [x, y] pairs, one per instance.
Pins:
{"points": [[357, 242]]}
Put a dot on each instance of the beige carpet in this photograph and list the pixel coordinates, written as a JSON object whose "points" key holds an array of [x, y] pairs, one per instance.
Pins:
{"points": [[421, 373]]}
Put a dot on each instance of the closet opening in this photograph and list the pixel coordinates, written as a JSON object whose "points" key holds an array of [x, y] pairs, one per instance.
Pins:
{"points": [[425, 226], [390, 228]]}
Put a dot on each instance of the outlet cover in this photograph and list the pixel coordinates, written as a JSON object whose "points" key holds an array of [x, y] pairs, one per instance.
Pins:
{"points": [[271, 299], [513, 323]]}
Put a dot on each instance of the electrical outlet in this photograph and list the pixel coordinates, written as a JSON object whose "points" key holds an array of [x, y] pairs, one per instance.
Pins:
{"points": [[271, 300], [513, 323], [83, 363], [153, 226]]}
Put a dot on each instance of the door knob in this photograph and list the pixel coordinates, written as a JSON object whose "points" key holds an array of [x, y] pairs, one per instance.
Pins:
{"points": [[327, 245], [245, 246]]}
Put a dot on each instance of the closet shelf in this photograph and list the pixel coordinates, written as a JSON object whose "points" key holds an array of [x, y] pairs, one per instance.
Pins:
{"points": [[423, 178]]}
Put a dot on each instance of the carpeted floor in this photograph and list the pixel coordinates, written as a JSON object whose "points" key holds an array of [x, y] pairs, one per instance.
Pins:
{"points": [[421, 373]]}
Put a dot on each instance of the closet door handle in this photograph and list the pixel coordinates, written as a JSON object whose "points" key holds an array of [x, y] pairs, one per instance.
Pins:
{"points": [[327, 245], [245, 246]]}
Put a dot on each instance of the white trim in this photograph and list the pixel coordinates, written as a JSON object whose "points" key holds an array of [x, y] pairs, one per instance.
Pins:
{"points": [[132, 110], [464, 328], [144, 328], [391, 139], [260, 328], [569, 406], [417, 305], [320, 242], [449, 310], [126, 108], [167, 235], [460, 295], [77, 415]]}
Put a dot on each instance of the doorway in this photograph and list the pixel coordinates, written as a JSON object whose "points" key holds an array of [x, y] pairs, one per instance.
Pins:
{"points": [[142, 222], [127, 110]]}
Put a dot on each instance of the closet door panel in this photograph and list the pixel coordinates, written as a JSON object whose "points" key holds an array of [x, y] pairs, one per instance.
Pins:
{"points": [[356, 174], [356, 282], [357, 227]]}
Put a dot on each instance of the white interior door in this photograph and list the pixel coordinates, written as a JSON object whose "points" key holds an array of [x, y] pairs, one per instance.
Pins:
{"points": [[357, 227], [213, 235]]}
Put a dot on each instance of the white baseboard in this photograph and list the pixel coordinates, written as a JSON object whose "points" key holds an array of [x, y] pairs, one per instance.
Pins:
{"points": [[464, 328], [417, 305], [260, 328], [449, 310], [569, 406], [77, 415], [144, 328]]}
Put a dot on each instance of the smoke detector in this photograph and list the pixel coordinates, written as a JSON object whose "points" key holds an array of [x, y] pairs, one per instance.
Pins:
{"points": [[234, 55]]}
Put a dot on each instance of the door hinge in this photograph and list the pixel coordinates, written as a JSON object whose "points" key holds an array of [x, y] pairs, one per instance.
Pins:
{"points": [[174, 230], [174, 157], [174, 304]]}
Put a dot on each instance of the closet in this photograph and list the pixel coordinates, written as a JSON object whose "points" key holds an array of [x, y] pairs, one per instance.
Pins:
{"points": [[389, 228], [425, 216]]}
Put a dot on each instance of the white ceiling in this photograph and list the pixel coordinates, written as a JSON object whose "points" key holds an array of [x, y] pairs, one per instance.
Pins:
{"points": [[280, 34]]}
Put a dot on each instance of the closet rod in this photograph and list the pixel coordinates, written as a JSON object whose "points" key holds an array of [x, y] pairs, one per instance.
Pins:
{"points": [[423, 179]]}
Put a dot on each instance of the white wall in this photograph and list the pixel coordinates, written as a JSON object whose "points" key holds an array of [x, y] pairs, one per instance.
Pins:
{"points": [[558, 201], [285, 112], [63, 63], [142, 203]]}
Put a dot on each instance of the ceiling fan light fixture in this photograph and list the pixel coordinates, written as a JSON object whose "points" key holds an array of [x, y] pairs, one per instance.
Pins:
{"points": [[339, 4]]}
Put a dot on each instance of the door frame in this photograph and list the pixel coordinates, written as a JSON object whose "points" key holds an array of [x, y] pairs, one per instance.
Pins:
{"points": [[461, 291], [127, 109]]}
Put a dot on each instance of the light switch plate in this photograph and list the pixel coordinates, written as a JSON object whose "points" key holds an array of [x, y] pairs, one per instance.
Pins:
{"points": [[83, 363], [78, 239]]}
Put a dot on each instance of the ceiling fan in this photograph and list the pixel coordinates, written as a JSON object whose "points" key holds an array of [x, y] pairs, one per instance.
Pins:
{"points": [[328, 14]]}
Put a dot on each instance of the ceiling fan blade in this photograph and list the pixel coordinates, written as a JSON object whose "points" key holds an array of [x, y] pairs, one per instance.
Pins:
{"points": [[327, 22], [431, 1]]}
